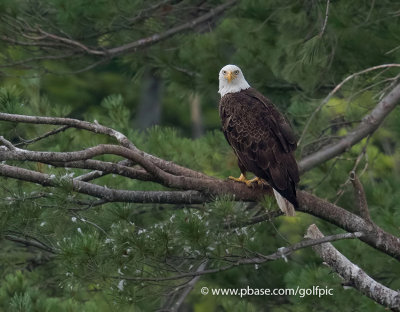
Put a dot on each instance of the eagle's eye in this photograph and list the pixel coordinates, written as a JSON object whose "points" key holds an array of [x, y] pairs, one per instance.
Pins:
{"points": [[236, 72], [224, 72]]}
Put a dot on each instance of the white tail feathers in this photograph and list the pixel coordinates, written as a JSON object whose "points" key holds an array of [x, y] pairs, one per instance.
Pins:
{"points": [[284, 205]]}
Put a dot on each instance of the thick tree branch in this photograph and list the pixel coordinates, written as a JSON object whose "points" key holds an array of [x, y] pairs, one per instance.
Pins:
{"points": [[103, 192], [352, 273], [7, 144], [309, 203], [175, 301], [350, 222], [368, 125], [211, 187]]}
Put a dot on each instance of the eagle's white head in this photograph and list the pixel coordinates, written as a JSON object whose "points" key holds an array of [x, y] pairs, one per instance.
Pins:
{"points": [[231, 80]]}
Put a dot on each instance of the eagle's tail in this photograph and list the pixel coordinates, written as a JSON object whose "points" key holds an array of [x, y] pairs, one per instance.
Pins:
{"points": [[284, 205]]}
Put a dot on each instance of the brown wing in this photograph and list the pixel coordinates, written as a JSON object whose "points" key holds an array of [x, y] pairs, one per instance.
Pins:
{"points": [[262, 139], [280, 126]]}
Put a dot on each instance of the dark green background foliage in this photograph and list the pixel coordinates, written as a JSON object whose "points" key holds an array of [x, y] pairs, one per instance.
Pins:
{"points": [[280, 48]]}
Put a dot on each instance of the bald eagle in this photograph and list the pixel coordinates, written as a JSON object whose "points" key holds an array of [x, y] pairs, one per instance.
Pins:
{"points": [[260, 136]]}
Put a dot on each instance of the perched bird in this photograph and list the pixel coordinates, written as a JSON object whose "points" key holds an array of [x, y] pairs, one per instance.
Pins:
{"points": [[260, 136]]}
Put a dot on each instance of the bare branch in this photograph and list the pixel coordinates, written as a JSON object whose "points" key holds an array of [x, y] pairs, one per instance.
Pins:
{"points": [[79, 124], [360, 198], [326, 19], [332, 93], [29, 242], [103, 192], [167, 166], [350, 222], [170, 32], [367, 126], [309, 203], [174, 302], [356, 163], [100, 172], [7, 144], [352, 273], [43, 136], [102, 168], [144, 13], [69, 42], [209, 186]]}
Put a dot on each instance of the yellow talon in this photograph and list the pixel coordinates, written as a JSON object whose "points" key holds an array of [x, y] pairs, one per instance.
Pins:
{"points": [[256, 179], [243, 179]]}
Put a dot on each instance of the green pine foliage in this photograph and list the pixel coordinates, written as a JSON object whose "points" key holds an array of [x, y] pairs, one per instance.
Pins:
{"points": [[117, 240], [282, 52]]}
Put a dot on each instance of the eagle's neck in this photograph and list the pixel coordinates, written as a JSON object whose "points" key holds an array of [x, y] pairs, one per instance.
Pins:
{"points": [[233, 87]]}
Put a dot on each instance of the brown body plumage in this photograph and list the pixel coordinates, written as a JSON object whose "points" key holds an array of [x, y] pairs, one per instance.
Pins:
{"points": [[262, 139]]}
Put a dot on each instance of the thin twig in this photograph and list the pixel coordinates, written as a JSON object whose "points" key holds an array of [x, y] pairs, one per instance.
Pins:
{"points": [[43, 136], [29, 242], [362, 154], [325, 20], [360, 198]]}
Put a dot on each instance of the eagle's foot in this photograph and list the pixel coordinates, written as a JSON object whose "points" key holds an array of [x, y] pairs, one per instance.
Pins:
{"points": [[256, 179], [243, 179]]}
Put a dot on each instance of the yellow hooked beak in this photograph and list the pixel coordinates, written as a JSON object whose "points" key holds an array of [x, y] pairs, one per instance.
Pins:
{"points": [[230, 76]]}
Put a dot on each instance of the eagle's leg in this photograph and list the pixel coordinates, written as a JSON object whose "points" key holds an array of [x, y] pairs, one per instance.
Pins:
{"points": [[242, 177]]}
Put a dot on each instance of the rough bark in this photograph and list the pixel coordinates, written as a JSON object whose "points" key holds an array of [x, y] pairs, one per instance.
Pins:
{"points": [[353, 274]]}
